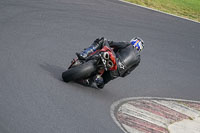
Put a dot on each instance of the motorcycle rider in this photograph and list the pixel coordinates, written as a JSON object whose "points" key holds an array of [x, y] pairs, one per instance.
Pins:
{"points": [[127, 57]]}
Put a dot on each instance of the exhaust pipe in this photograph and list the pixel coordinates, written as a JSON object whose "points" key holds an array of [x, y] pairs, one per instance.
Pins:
{"points": [[110, 64], [106, 55]]}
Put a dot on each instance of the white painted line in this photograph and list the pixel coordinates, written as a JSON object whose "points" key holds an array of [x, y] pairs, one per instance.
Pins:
{"points": [[142, 114], [130, 130], [179, 108], [159, 11]]}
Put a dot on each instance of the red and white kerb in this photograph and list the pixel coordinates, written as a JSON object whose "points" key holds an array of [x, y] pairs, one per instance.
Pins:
{"points": [[157, 115]]}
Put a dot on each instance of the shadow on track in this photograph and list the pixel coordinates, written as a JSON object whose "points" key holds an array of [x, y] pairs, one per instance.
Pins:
{"points": [[55, 71]]}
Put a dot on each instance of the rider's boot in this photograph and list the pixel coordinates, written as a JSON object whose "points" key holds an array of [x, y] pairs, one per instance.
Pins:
{"points": [[96, 81], [86, 82], [99, 81], [93, 47]]}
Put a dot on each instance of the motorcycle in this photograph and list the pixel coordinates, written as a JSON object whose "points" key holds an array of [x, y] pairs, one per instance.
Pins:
{"points": [[95, 64]]}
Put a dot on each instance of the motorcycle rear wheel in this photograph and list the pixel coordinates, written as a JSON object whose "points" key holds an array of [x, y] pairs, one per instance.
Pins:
{"points": [[82, 71]]}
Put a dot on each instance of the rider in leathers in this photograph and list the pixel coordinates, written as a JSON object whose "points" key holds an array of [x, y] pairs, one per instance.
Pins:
{"points": [[127, 57]]}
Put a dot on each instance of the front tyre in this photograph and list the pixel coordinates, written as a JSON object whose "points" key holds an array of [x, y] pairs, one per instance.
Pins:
{"points": [[82, 71]]}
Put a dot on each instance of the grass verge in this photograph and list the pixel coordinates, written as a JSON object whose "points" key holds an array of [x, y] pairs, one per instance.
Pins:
{"points": [[185, 8]]}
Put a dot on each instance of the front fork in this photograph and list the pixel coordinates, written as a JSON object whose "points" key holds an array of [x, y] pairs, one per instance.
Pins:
{"points": [[74, 62]]}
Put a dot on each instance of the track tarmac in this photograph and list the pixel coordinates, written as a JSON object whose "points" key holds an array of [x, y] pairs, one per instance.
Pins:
{"points": [[38, 39]]}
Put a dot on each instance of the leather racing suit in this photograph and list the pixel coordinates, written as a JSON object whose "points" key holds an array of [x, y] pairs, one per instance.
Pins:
{"points": [[127, 57]]}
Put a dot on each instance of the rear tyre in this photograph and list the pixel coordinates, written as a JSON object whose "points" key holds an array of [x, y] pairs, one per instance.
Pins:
{"points": [[79, 72]]}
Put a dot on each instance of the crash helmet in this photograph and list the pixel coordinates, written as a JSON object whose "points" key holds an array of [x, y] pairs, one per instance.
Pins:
{"points": [[137, 43]]}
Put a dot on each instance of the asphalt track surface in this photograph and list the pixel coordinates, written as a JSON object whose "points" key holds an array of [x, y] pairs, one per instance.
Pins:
{"points": [[38, 39]]}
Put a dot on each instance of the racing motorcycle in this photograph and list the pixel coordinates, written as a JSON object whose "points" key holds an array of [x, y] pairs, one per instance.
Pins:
{"points": [[95, 64]]}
